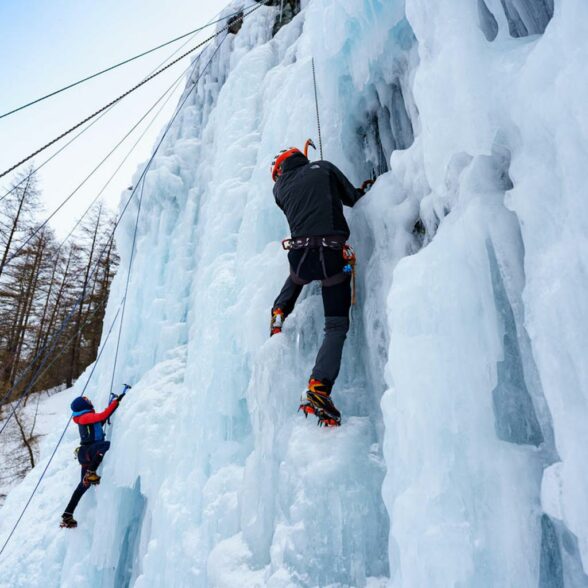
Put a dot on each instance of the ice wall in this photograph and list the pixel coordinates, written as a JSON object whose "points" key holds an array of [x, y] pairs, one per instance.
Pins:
{"points": [[468, 332], [213, 477], [487, 386]]}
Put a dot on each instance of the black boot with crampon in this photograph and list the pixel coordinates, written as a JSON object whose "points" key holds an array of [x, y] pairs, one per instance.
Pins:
{"points": [[67, 521], [317, 401]]}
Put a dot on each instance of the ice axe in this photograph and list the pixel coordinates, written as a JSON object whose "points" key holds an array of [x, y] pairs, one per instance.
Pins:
{"points": [[309, 143], [119, 396]]}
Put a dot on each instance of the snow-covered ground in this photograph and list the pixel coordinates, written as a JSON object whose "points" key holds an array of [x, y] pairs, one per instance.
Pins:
{"points": [[42, 414], [464, 390]]}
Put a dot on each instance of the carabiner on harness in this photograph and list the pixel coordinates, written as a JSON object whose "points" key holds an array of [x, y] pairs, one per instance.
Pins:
{"points": [[349, 268]]}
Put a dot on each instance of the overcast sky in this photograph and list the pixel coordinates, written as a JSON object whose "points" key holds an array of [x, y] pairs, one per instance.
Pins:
{"points": [[46, 44]]}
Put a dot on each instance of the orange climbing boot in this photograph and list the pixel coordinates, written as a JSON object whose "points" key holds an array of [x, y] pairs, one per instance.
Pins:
{"points": [[91, 479], [317, 400]]}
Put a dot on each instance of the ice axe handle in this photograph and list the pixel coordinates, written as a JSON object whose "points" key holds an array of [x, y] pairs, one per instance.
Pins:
{"points": [[126, 387], [309, 143]]}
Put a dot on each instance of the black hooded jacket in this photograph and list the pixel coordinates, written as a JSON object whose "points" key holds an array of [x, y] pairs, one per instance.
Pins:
{"points": [[312, 197]]}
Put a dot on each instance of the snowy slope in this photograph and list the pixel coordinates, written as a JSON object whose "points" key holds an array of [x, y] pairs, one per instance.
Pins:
{"points": [[40, 415], [469, 334]]}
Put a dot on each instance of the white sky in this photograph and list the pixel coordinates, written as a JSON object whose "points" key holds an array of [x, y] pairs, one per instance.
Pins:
{"points": [[46, 44]]}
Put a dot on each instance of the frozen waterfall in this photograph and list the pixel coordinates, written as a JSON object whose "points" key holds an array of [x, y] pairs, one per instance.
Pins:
{"points": [[464, 388]]}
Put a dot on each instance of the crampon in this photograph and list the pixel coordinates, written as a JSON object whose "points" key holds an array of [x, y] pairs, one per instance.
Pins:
{"points": [[320, 404], [68, 522], [324, 420], [91, 479]]}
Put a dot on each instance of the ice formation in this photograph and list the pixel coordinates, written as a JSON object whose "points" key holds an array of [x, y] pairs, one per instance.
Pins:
{"points": [[461, 460]]}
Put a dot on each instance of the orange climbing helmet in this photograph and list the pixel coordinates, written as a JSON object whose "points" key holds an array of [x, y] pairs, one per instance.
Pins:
{"points": [[279, 159]]}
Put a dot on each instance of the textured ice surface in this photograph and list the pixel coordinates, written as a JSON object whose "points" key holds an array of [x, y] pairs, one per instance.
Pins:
{"points": [[469, 332]]}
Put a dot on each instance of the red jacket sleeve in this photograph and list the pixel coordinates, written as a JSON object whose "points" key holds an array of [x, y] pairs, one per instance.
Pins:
{"points": [[97, 417]]}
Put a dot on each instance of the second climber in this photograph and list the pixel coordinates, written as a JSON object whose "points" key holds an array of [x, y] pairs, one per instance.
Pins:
{"points": [[92, 448]]}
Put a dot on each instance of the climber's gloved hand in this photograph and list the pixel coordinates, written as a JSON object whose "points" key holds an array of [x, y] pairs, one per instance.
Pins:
{"points": [[366, 186]]}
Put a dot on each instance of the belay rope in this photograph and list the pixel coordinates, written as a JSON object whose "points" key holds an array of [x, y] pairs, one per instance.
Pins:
{"points": [[348, 252], [148, 165], [129, 91], [318, 115]]}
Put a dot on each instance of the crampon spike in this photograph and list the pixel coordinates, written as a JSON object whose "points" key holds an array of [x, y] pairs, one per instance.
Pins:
{"points": [[322, 419], [328, 422], [306, 409]]}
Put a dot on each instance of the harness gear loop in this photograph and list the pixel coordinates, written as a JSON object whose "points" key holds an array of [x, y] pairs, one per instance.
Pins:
{"points": [[329, 242], [351, 259]]}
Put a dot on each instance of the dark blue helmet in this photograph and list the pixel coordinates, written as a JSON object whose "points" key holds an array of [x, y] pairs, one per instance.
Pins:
{"points": [[81, 404]]}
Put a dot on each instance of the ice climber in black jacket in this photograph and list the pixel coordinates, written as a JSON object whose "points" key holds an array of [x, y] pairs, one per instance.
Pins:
{"points": [[312, 195]]}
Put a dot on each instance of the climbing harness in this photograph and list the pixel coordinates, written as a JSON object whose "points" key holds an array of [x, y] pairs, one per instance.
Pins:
{"points": [[330, 242], [335, 242], [59, 441]]}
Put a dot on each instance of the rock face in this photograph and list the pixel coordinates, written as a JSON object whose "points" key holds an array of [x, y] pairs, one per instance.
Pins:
{"points": [[235, 23], [288, 10]]}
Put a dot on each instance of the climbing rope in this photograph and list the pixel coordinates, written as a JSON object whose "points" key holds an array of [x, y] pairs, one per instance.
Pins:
{"points": [[129, 153], [70, 315], [40, 227], [142, 182], [53, 342], [94, 121], [53, 156], [117, 65], [124, 300], [50, 347], [130, 91], [318, 116], [65, 348], [83, 393]]}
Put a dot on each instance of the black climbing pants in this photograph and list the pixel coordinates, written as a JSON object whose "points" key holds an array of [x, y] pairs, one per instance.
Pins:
{"points": [[326, 265], [90, 457]]}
